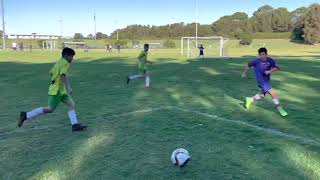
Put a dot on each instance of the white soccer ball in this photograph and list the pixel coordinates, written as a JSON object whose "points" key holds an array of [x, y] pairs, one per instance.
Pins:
{"points": [[180, 157]]}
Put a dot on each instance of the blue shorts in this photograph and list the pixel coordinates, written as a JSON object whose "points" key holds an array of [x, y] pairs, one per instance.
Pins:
{"points": [[265, 87]]}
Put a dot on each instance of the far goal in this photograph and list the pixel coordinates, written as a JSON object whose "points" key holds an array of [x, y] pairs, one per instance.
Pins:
{"points": [[213, 46]]}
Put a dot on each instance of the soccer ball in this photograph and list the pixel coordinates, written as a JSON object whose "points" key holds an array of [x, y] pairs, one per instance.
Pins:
{"points": [[180, 157]]}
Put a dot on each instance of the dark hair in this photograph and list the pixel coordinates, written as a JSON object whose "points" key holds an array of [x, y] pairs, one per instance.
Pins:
{"points": [[261, 50], [146, 45], [67, 52]]}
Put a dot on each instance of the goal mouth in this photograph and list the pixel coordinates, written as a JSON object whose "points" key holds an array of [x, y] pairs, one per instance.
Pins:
{"points": [[212, 46]]}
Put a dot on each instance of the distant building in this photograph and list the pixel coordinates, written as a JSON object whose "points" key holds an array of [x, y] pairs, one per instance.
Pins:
{"points": [[32, 36]]}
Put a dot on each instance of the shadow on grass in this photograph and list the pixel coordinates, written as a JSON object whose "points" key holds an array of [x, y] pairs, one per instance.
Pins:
{"points": [[139, 145]]}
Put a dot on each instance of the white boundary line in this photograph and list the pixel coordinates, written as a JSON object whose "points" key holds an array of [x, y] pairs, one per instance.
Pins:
{"points": [[271, 131]]}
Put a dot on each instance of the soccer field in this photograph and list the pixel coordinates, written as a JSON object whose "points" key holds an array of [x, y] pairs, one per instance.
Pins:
{"points": [[193, 104]]}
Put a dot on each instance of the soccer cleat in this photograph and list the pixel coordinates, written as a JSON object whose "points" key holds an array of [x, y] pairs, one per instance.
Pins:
{"points": [[248, 103], [23, 117], [78, 127], [128, 79], [282, 112]]}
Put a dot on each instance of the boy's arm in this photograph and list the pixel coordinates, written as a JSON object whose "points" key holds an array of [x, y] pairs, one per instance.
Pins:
{"points": [[66, 84], [247, 67], [274, 68], [244, 72]]}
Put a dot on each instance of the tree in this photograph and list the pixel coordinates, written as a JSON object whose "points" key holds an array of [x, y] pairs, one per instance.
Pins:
{"points": [[311, 25], [297, 21], [245, 38], [78, 36], [100, 35], [232, 25], [281, 20], [301, 10], [90, 36], [261, 20]]}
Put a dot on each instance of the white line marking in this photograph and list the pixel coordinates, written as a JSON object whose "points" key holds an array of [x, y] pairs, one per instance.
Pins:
{"points": [[243, 123], [271, 131], [215, 117]]}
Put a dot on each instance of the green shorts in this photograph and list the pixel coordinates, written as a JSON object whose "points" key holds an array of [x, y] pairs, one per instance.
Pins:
{"points": [[54, 101], [143, 70]]}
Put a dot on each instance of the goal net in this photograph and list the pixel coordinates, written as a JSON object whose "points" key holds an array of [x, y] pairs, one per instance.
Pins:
{"points": [[213, 46]]}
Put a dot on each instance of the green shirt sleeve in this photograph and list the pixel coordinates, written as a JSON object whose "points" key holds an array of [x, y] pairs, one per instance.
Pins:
{"points": [[64, 68]]}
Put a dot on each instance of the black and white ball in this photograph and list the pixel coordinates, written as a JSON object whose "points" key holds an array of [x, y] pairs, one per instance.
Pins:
{"points": [[180, 157]]}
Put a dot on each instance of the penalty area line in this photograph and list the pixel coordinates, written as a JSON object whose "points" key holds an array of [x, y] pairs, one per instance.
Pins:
{"points": [[272, 131]]}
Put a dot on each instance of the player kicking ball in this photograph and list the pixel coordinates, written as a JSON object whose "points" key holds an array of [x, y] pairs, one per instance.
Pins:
{"points": [[143, 67], [264, 66], [59, 91]]}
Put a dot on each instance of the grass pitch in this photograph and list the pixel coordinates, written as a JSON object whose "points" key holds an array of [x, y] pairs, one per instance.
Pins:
{"points": [[132, 131]]}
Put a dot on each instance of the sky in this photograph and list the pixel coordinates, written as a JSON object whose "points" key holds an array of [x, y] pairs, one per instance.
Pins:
{"points": [[42, 16]]}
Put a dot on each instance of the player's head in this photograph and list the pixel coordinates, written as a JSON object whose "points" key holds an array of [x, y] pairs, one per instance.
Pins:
{"points": [[68, 53], [146, 47], [263, 53], [201, 45]]}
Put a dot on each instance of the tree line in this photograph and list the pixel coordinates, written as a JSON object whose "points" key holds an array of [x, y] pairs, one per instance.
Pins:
{"points": [[304, 23]]}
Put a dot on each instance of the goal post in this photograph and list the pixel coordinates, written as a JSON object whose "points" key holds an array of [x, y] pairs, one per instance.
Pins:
{"points": [[213, 45]]}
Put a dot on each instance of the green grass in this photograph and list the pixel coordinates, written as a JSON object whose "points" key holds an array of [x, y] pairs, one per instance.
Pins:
{"points": [[123, 142]]}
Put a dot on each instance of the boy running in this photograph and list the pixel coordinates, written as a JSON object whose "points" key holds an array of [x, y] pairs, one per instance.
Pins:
{"points": [[59, 91], [143, 67], [263, 68]]}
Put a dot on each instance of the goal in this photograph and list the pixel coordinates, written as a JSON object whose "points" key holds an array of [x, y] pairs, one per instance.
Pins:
{"points": [[213, 46]]}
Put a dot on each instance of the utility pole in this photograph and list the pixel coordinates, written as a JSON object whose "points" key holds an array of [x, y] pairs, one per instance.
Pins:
{"points": [[3, 28], [117, 29], [95, 26], [60, 22], [197, 15]]}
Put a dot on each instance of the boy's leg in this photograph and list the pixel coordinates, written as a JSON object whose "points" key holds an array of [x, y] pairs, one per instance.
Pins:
{"points": [[276, 101], [147, 79], [265, 87], [133, 77], [53, 102], [137, 76], [257, 97], [72, 114]]}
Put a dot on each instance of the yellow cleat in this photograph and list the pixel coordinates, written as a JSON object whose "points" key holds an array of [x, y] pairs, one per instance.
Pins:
{"points": [[282, 112], [248, 103]]}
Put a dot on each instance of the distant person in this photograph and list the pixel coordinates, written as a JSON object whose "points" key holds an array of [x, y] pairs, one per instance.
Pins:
{"points": [[263, 67], [143, 67], [201, 51], [30, 47], [59, 91], [21, 46], [107, 47], [14, 46], [118, 47], [86, 49], [110, 48]]}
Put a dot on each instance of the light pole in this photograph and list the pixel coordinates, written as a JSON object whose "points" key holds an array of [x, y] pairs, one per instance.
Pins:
{"points": [[95, 26], [197, 14], [116, 26], [60, 22], [3, 28]]}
